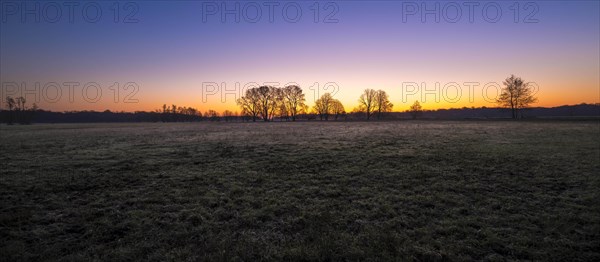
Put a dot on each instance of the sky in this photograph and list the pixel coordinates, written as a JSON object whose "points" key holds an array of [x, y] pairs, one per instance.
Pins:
{"points": [[133, 56]]}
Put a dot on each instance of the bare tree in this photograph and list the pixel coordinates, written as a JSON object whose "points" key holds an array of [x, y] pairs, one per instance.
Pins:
{"points": [[367, 102], [212, 115], [227, 115], [282, 111], [516, 95], [21, 103], [294, 101], [323, 106], [22, 115], [198, 115], [382, 103], [337, 109], [175, 113], [249, 103], [10, 103], [415, 110], [191, 113], [268, 100], [165, 113]]}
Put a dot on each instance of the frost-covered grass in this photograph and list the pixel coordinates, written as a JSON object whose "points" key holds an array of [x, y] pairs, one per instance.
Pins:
{"points": [[423, 190]]}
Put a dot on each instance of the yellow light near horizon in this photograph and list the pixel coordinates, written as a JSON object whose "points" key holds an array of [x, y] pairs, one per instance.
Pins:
{"points": [[551, 93]]}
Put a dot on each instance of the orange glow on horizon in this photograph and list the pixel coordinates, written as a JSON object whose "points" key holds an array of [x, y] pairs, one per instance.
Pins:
{"points": [[549, 97]]}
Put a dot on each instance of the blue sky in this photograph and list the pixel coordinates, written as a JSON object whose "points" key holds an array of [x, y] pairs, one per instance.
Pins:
{"points": [[170, 51]]}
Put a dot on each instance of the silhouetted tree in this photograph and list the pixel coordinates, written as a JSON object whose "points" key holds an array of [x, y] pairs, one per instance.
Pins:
{"points": [[382, 103], [30, 113], [192, 113], [164, 114], [294, 101], [20, 103], [227, 115], [516, 95], [19, 111], [367, 102], [174, 114], [10, 103], [337, 109], [268, 100], [324, 105], [282, 111], [415, 110], [250, 103], [212, 115]]}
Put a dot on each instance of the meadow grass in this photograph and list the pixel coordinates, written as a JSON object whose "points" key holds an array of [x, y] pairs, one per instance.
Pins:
{"points": [[408, 190]]}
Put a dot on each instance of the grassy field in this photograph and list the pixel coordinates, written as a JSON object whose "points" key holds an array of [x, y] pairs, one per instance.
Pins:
{"points": [[301, 191]]}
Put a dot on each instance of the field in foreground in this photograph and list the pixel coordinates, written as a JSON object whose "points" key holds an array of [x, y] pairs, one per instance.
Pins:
{"points": [[311, 191]]}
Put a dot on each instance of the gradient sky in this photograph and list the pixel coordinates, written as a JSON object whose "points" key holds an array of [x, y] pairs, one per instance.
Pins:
{"points": [[171, 52]]}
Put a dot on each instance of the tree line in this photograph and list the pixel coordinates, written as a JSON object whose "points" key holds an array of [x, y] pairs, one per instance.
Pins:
{"points": [[268, 103], [18, 112]]}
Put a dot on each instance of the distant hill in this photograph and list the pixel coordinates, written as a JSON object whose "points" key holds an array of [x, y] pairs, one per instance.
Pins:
{"points": [[566, 111], [581, 111]]}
